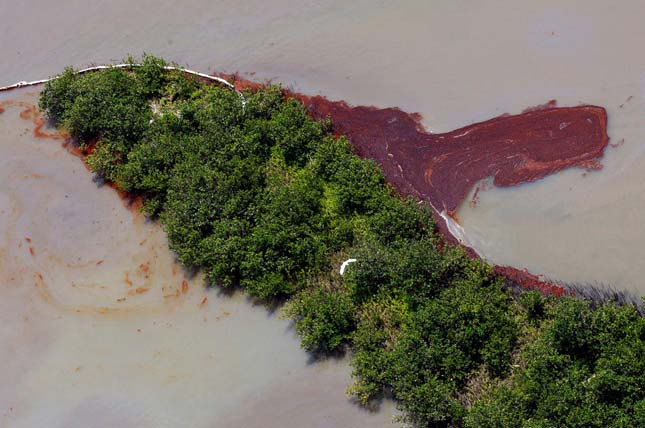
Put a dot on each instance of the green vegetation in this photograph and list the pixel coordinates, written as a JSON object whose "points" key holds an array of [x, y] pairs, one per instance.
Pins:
{"points": [[265, 199]]}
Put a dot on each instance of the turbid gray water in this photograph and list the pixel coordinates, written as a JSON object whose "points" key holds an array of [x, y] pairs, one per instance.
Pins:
{"points": [[455, 62]]}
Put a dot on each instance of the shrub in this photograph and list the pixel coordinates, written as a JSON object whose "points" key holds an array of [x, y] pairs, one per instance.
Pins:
{"points": [[324, 319]]}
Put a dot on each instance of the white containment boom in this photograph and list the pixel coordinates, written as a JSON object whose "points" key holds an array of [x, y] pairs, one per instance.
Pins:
{"points": [[344, 265], [132, 65]]}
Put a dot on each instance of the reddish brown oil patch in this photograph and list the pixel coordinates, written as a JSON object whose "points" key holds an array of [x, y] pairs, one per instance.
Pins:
{"points": [[126, 279], [28, 239], [30, 112], [32, 251], [453, 216], [135, 203], [138, 290], [481, 187], [76, 150], [241, 84], [443, 168], [225, 314], [529, 281], [145, 269], [173, 295], [46, 295], [203, 302], [184, 286], [475, 199]]}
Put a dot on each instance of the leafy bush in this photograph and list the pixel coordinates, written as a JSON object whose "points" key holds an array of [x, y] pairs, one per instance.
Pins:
{"points": [[584, 370], [324, 319]]}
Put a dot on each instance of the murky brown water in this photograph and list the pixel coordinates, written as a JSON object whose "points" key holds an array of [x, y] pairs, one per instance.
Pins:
{"points": [[455, 62]]}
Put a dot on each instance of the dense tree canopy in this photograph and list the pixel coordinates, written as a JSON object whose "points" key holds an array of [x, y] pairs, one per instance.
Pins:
{"points": [[262, 197]]}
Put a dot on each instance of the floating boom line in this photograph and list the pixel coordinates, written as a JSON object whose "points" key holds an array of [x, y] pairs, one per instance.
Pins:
{"points": [[224, 82]]}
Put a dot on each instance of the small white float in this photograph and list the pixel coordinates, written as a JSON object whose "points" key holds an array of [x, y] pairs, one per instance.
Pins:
{"points": [[344, 265]]}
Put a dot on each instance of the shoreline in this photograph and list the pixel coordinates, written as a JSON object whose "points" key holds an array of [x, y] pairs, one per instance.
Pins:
{"points": [[363, 125]]}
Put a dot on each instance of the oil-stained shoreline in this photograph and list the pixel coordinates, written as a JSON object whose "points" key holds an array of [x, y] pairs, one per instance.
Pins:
{"points": [[442, 169]]}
